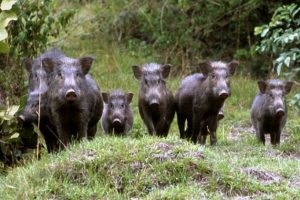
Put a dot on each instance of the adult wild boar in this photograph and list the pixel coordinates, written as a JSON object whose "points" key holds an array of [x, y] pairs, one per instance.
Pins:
{"points": [[184, 100], [200, 99], [156, 101], [269, 110], [74, 101]]}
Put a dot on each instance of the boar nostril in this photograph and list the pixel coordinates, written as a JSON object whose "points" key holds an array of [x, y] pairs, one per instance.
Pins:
{"points": [[71, 95], [279, 112], [223, 94]]}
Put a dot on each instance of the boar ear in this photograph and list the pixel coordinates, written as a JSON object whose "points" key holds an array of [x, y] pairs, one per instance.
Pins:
{"points": [[137, 72], [105, 96], [48, 64], [166, 70], [205, 67], [86, 63], [232, 66], [288, 86], [262, 85], [129, 97], [27, 63]]}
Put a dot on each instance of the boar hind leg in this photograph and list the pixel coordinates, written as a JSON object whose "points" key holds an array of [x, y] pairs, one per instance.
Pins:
{"points": [[181, 122], [203, 134], [189, 128]]}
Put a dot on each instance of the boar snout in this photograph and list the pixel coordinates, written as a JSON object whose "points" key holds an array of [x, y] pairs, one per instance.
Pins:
{"points": [[280, 112], [154, 104], [223, 94], [71, 95], [117, 122], [25, 118], [21, 119]]}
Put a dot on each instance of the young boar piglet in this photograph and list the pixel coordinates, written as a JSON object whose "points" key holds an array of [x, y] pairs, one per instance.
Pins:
{"points": [[117, 115]]}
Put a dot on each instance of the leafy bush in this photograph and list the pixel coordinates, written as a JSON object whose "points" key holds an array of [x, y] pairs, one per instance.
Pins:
{"points": [[280, 39], [12, 136], [6, 16], [35, 24]]}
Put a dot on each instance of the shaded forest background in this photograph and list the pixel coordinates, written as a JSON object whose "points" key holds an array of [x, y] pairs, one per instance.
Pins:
{"points": [[184, 32]]}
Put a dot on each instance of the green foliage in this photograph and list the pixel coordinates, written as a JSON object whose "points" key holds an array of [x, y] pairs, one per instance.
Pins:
{"points": [[36, 23], [9, 134], [281, 39], [6, 16], [184, 32]]}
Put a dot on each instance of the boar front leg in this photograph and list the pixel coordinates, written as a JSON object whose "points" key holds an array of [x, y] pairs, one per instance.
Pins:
{"points": [[197, 119]]}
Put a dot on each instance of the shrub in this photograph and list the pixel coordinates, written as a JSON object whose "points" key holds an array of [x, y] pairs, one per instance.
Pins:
{"points": [[35, 24], [280, 39]]}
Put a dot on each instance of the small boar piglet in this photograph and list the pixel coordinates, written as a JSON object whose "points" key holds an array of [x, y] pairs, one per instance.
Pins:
{"points": [[117, 115], [269, 110], [156, 101]]}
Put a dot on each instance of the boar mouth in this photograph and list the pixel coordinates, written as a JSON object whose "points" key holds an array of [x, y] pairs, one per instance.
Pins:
{"points": [[71, 96], [118, 126], [154, 105], [117, 123]]}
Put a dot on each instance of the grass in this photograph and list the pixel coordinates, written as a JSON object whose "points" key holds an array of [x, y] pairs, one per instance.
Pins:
{"points": [[144, 167]]}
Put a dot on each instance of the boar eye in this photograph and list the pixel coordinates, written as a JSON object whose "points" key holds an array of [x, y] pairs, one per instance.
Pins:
{"points": [[146, 82], [77, 74], [60, 75], [213, 76], [111, 105], [271, 95], [122, 106]]}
